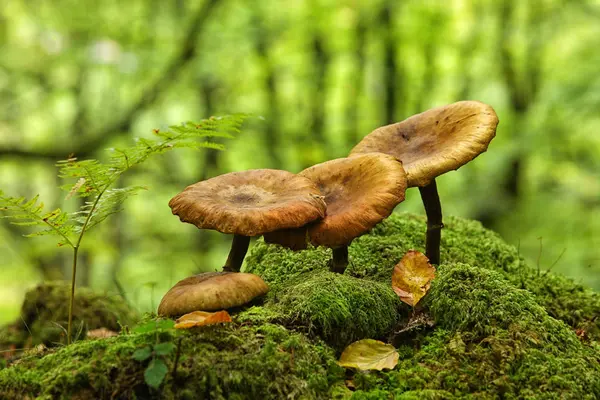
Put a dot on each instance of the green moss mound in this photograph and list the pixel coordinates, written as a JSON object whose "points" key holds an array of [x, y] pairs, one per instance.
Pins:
{"points": [[492, 340], [230, 361], [338, 308], [489, 328], [373, 257], [45, 310]]}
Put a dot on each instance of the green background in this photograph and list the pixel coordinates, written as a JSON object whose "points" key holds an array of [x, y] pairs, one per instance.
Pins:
{"points": [[81, 76]]}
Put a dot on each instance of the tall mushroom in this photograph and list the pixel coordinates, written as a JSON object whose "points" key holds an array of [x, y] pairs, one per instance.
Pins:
{"points": [[430, 144], [360, 192], [249, 203]]}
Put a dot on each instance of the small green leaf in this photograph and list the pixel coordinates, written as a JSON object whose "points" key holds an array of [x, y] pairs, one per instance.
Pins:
{"points": [[155, 373], [163, 349], [165, 324], [142, 354], [145, 328], [161, 325]]}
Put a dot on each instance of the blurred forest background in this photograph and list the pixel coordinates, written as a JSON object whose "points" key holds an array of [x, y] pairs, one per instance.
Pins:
{"points": [[78, 76]]}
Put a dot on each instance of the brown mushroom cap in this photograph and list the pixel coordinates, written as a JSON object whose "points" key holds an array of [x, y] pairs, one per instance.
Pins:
{"points": [[436, 141], [250, 203], [359, 192], [211, 291]]}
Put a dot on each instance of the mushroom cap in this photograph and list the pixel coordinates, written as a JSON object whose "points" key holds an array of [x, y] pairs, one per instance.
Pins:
{"points": [[250, 203], [359, 191], [435, 141], [211, 291]]}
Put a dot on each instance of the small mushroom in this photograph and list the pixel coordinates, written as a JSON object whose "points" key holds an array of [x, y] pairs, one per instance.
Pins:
{"points": [[430, 144], [211, 291], [360, 192], [249, 203]]}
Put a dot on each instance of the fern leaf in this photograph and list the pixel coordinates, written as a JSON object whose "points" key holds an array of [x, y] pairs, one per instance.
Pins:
{"points": [[92, 179], [110, 203], [31, 213]]}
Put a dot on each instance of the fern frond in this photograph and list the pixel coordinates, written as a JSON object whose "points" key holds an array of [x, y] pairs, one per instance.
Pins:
{"points": [[96, 176], [93, 179], [110, 203], [99, 177], [31, 213]]}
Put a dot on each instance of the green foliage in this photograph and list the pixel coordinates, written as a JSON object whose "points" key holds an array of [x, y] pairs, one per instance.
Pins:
{"points": [[142, 354], [155, 372], [155, 325], [159, 352], [25, 212]]}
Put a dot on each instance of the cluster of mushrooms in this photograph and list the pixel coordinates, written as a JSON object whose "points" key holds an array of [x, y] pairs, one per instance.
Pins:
{"points": [[328, 204]]}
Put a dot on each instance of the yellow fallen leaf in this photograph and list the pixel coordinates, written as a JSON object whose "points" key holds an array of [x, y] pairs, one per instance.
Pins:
{"points": [[412, 277], [201, 318], [369, 354]]}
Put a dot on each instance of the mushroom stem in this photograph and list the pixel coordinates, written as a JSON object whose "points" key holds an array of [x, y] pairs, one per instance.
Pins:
{"points": [[433, 209], [239, 247], [340, 259]]}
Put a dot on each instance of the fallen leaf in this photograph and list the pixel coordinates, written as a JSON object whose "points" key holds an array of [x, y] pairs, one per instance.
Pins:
{"points": [[350, 384], [412, 277], [369, 354], [101, 333], [582, 335], [201, 318]]}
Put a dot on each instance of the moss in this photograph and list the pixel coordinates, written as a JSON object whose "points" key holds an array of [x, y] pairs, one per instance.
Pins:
{"points": [[338, 308], [277, 265], [373, 257], [409, 395], [231, 361], [258, 315], [492, 340], [44, 315], [500, 331]]}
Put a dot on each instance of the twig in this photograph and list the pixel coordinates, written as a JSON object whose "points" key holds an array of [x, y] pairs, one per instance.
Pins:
{"points": [[555, 262], [176, 362]]}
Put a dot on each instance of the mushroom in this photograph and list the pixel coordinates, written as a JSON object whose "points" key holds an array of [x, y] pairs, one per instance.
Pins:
{"points": [[430, 144], [249, 203], [211, 291], [360, 192]]}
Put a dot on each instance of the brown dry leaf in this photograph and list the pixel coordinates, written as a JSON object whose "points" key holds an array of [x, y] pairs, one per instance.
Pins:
{"points": [[412, 277], [369, 354], [201, 318], [101, 333]]}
